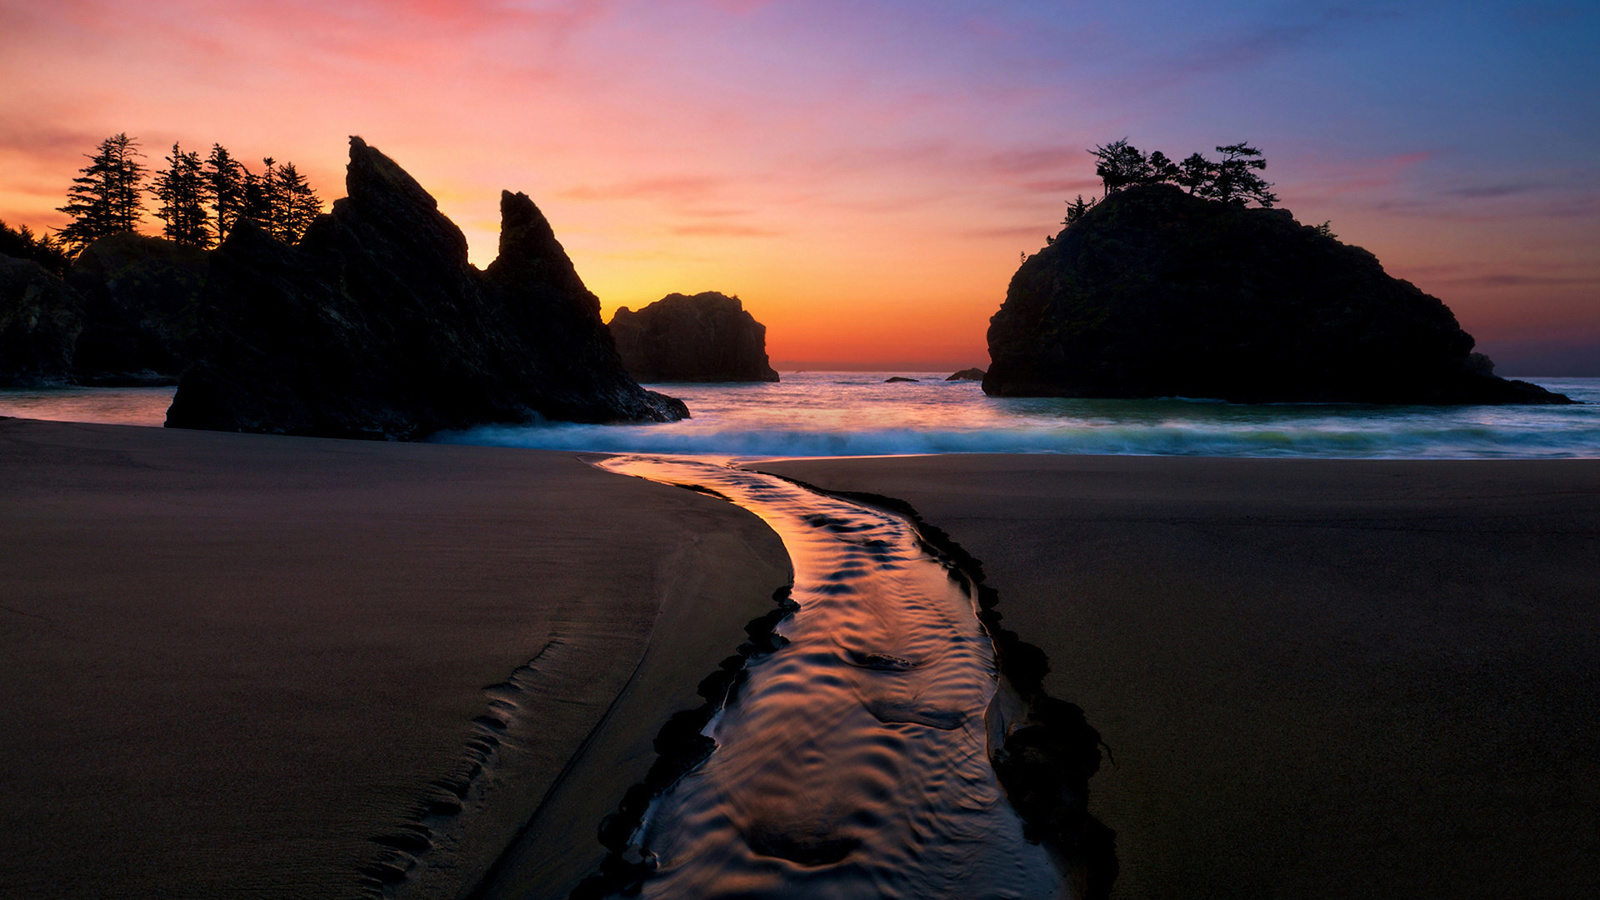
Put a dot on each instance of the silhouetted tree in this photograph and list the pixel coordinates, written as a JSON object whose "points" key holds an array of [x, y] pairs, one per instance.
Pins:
{"points": [[225, 190], [1159, 169], [1076, 209], [22, 243], [107, 198], [299, 205], [181, 188], [260, 194], [1195, 173], [1119, 164], [1235, 179]]}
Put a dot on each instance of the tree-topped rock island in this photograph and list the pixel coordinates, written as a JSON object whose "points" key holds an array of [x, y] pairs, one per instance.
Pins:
{"points": [[376, 326], [1156, 291], [706, 337]]}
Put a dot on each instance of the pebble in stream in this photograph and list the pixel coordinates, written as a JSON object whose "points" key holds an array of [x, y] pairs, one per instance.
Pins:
{"points": [[853, 762]]}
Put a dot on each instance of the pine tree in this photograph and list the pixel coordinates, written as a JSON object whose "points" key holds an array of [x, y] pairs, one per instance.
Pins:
{"points": [[1120, 164], [107, 198], [1195, 173], [263, 197], [301, 205], [225, 188], [181, 188], [1076, 209], [1235, 179], [22, 243]]}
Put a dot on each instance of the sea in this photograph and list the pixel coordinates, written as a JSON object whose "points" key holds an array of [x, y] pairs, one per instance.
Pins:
{"points": [[865, 414]]}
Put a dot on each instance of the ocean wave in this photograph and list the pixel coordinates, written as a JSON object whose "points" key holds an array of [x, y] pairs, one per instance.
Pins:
{"points": [[1363, 440]]}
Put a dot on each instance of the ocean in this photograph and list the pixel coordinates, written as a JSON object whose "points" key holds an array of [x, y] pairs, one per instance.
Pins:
{"points": [[860, 414]]}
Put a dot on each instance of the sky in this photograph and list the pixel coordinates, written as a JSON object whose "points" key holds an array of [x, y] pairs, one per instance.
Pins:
{"points": [[866, 176]]}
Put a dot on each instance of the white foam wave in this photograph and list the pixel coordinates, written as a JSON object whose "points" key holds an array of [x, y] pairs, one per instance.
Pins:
{"points": [[1375, 439]]}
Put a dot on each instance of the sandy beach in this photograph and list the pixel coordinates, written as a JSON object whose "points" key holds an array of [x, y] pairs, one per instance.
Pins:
{"points": [[1318, 678], [233, 661]]}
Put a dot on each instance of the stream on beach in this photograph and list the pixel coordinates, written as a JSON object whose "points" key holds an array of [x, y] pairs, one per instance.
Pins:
{"points": [[854, 761]]}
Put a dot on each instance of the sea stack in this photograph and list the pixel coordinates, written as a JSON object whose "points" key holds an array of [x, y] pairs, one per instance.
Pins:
{"points": [[706, 337], [377, 326], [1155, 293]]}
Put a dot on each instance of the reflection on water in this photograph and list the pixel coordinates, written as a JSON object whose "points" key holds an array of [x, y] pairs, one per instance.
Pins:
{"points": [[853, 762], [108, 406]]}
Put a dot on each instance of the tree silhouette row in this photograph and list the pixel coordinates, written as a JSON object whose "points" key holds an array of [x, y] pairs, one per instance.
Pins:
{"points": [[1232, 179], [200, 201]]}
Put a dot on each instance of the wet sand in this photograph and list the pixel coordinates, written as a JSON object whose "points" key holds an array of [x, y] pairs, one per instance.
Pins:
{"points": [[1318, 678], [231, 661]]}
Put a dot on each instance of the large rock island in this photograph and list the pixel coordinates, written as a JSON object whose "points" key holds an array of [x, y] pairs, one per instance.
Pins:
{"points": [[1154, 292], [706, 337], [377, 326]]}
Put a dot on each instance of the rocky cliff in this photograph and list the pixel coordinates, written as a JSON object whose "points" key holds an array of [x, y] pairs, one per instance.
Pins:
{"points": [[1158, 293], [706, 337], [377, 326], [40, 318], [140, 296]]}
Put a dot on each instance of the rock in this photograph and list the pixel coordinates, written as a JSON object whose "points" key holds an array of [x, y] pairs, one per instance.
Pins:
{"points": [[893, 379], [376, 326], [706, 337], [967, 375], [40, 318], [1157, 293], [139, 300]]}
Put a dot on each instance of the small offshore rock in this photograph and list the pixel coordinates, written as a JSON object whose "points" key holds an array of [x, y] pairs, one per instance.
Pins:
{"points": [[704, 337], [967, 375]]}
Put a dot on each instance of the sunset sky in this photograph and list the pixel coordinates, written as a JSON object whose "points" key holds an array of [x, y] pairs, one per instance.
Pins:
{"points": [[866, 175]]}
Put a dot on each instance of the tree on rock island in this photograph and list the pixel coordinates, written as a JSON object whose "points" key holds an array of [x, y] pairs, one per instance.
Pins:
{"points": [[181, 188], [1232, 180], [107, 197]]}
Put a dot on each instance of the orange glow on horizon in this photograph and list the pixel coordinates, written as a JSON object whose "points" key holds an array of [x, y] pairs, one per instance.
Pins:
{"points": [[866, 198]]}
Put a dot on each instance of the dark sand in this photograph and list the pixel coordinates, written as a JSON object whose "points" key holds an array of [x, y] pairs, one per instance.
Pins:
{"points": [[228, 661], [1318, 678]]}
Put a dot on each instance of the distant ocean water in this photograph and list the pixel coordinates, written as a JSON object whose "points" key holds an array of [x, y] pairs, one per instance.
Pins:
{"points": [[858, 414]]}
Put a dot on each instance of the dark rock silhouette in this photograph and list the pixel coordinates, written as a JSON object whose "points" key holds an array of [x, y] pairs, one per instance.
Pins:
{"points": [[895, 379], [139, 301], [706, 337], [1154, 292], [376, 326], [40, 318], [967, 375]]}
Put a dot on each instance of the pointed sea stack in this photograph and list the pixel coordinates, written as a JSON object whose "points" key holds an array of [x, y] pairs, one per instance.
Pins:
{"points": [[377, 326], [706, 337], [1155, 293]]}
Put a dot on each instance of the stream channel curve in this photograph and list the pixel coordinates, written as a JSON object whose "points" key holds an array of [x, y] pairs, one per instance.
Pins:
{"points": [[853, 761]]}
